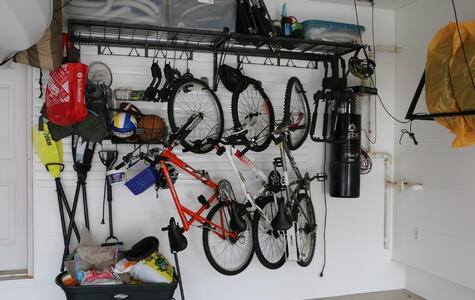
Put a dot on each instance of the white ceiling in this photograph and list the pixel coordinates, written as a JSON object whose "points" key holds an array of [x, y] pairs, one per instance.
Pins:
{"points": [[385, 4]]}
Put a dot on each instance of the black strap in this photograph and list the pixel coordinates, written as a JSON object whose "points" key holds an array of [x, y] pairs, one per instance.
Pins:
{"points": [[41, 126], [40, 83], [82, 166]]}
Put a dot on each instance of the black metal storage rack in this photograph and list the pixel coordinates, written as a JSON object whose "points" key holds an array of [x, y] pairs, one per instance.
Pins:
{"points": [[153, 40]]}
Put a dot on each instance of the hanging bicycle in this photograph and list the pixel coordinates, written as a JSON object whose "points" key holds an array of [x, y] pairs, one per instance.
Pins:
{"points": [[292, 217], [188, 97], [228, 247], [251, 108]]}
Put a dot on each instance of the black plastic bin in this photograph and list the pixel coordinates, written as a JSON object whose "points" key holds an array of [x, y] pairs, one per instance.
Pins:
{"points": [[146, 291]]}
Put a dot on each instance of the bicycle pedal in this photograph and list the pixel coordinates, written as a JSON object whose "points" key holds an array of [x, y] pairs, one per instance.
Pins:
{"points": [[206, 226], [202, 200], [278, 162], [205, 174], [322, 176]]}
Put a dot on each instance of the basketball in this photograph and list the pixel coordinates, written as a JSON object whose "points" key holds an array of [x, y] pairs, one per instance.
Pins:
{"points": [[153, 128], [123, 125]]}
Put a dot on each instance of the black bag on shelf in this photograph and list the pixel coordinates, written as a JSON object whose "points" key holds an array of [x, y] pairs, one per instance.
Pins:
{"points": [[252, 18], [245, 20]]}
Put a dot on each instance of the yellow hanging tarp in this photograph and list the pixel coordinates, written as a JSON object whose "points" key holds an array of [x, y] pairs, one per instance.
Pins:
{"points": [[448, 86]]}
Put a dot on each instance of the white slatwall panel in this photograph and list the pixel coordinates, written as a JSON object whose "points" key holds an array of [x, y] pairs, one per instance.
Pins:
{"points": [[144, 215]]}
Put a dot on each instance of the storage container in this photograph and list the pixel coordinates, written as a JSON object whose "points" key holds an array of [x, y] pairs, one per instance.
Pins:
{"points": [[331, 31], [203, 14], [151, 12], [146, 291], [143, 180]]}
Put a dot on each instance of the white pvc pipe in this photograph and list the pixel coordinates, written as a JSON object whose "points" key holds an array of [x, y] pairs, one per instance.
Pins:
{"points": [[85, 3], [135, 4], [152, 4], [117, 13], [91, 8], [388, 203]]}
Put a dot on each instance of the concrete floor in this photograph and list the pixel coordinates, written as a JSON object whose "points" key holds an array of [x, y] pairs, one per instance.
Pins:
{"points": [[387, 295]]}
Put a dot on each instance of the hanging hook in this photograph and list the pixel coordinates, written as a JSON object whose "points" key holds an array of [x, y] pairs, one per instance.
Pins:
{"points": [[268, 59], [290, 61], [134, 50], [106, 48]]}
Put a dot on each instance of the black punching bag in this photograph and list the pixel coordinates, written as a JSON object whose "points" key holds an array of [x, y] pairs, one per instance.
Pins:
{"points": [[345, 157]]}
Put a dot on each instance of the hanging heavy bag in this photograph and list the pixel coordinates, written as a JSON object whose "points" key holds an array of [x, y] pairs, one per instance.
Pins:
{"points": [[65, 90]]}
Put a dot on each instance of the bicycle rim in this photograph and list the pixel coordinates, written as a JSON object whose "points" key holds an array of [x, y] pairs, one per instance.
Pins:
{"points": [[296, 113], [306, 230], [194, 97], [269, 243], [226, 255], [251, 108]]}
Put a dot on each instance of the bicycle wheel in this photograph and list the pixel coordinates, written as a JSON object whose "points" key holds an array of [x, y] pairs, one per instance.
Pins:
{"points": [[251, 108], [193, 97], [306, 230], [269, 244], [227, 255], [296, 113]]}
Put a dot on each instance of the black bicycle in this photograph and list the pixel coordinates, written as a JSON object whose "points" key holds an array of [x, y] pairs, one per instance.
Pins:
{"points": [[291, 235], [188, 99], [252, 111]]}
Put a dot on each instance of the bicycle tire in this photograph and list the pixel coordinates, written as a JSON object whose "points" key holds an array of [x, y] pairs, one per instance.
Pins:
{"points": [[175, 124], [304, 262], [300, 135], [257, 241], [242, 88], [209, 251]]}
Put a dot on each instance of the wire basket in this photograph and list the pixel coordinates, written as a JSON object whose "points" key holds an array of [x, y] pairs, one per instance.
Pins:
{"points": [[143, 180]]}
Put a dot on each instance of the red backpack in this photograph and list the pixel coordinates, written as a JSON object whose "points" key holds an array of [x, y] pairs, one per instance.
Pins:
{"points": [[65, 104]]}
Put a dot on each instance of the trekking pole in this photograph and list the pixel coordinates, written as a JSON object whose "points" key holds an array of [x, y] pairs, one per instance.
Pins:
{"points": [[68, 210], [180, 280]]}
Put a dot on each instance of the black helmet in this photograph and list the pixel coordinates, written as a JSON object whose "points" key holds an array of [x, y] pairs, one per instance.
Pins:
{"points": [[162, 182]]}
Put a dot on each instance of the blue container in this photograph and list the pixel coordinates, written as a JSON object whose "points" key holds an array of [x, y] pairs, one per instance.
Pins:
{"points": [[143, 180], [332, 31]]}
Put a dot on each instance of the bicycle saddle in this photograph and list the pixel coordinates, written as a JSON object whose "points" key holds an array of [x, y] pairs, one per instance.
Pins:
{"points": [[177, 240], [281, 220], [237, 223]]}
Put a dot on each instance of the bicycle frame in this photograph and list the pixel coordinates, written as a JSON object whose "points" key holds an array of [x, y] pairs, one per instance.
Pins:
{"points": [[301, 183], [187, 216], [285, 155], [232, 152]]}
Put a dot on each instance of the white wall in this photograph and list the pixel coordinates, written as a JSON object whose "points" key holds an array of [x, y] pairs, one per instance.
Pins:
{"points": [[357, 261], [443, 212], [434, 287]]}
